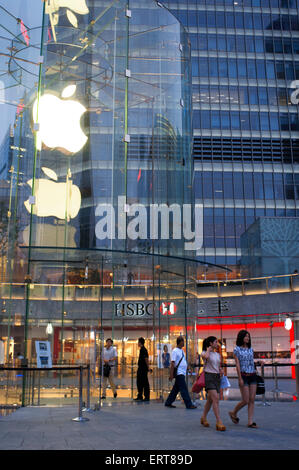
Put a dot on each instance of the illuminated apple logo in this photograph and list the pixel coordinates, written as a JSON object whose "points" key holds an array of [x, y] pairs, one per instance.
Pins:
{"points": [[77, 6], [61, 200], [59, 121]]}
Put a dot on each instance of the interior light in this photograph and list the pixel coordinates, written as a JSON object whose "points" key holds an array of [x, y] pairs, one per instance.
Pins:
{"points": [[49, 329], [288, 323]]}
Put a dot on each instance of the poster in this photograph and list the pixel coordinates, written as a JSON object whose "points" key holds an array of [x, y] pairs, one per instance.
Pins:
{"points": [[164, 355], [43, 354]]}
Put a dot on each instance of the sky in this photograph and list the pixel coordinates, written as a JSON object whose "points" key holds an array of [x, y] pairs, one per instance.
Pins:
{"points": [[30, 12]]}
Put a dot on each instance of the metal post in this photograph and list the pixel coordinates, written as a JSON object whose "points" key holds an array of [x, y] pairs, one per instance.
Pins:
{"points": [[38, 395], [80, 417], [87, 408], [33, 383], [297, 379], [132, 394], [264, 402], [276, 390]]}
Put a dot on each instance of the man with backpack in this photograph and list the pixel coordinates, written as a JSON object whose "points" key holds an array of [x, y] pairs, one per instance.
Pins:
{"points": [[178, 370]]}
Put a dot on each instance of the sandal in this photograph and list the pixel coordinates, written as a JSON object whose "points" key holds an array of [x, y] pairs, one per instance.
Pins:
{"points": [[204, 422], [220, 427], [234, 418], [252, 425]]}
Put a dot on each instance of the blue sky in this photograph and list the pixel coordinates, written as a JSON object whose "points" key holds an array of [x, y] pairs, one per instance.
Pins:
{"points": [[30, 11]]}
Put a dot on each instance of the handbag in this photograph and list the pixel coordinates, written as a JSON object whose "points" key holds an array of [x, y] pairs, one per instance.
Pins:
{"points": [[260, 387], [224, 382], [199, 383], [106, 370], [175, 370]]}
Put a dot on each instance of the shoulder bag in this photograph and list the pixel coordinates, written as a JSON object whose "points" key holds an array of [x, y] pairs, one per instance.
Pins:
{"points": [[199, 383]]}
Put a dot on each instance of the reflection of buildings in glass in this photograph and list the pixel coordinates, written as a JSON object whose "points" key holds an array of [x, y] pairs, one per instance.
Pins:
{"points": [[137, 147], [242, 128], [6, 154], [242, 65]]}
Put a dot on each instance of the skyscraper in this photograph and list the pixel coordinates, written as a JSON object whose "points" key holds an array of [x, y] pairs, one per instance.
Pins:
{"points": [[246, 148]]}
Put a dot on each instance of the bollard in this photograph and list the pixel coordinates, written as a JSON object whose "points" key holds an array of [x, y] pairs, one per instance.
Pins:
{"points": [[87, 408], [80, 418]]}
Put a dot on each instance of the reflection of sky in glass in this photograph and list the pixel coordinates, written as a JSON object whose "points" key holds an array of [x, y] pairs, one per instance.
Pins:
{"points": [[30, 12]]}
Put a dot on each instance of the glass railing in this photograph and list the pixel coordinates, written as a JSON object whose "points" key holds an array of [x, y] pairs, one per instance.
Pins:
{"points": [[82, 385], [204, 288]]}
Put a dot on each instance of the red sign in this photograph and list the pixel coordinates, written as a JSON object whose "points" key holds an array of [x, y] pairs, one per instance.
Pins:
{"points": [[168, 308]]}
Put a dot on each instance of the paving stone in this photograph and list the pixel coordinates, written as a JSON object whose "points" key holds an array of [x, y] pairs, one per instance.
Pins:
{"points": [[148, 427]]}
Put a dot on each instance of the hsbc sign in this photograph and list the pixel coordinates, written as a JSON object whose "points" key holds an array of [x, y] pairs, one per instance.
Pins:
{"points": [[134, 309], [168, 308], [142, 309]]}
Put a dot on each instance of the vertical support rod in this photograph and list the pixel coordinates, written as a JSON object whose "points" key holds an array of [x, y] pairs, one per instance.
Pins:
{"points": [[33, 383], [38, 394], [80, 417], [88, 386]]}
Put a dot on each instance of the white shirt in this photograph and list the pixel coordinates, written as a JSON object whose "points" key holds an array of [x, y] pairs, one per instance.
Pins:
{"points": [[109, 354], [176, 357]]}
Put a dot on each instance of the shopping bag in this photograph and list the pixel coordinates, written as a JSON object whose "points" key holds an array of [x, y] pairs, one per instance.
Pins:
{"points": [[260, 388], [224, 382]]}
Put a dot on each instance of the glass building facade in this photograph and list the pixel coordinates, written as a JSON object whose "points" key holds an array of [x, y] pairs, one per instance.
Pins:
{"points": [[246, 128], [96, 98], [108, 110]]}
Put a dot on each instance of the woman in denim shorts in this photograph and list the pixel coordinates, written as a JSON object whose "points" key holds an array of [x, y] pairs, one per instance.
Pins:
{"points": [[213, 372], [243, 354]]}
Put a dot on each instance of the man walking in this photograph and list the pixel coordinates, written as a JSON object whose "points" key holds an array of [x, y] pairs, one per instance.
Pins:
{"points": [[109, 358], [178, 360], [142, 371]]}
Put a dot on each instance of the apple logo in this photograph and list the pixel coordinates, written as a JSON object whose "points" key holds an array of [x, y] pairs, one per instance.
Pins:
{"points": [[51, 235], [61, 200], [77, 6], [59, 121]]}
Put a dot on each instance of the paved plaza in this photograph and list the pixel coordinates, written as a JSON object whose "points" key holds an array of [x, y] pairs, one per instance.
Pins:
{"points": [[148, 426]]}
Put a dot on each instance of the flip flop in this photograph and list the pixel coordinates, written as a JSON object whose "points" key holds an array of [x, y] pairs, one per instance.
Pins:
{"points": [[252, 425], [234, 419]]}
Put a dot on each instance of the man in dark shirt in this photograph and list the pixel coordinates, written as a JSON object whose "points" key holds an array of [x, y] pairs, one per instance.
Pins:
{"points": [[143, 368]]}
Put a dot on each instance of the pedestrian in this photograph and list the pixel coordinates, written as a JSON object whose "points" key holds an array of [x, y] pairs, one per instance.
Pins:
{"points": [[142, 371], [178, 361], [243, 354], [213, 373], [109, 358]]}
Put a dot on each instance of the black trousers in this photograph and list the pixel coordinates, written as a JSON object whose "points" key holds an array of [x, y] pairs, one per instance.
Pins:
{"points": [[143, 384]]}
